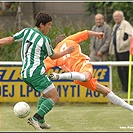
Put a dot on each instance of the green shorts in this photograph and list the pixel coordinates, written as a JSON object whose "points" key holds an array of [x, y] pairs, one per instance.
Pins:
{"points": [[40, 83]]}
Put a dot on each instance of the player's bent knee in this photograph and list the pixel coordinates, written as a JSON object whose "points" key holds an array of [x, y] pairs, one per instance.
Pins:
{"points": [[87, 76], [52, 94], [55, 98]]}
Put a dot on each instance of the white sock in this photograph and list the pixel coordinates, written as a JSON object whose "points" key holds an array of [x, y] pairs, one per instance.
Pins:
{"points": [[118, 101], [72, 75]]}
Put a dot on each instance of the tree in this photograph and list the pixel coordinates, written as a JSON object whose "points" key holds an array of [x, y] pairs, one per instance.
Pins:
{"points": [[107, 9]]}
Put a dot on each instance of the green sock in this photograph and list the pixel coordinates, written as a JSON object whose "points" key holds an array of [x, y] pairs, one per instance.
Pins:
{"points": [[40, 100], [41, 121], [45, 107]]}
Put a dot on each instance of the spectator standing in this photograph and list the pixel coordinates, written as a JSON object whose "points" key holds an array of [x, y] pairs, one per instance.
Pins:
{"points": [[120, 42], [99, 49]]}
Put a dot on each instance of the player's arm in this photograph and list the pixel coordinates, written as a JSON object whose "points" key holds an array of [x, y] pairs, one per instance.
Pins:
{"points": [[79, 36], [16, 37], [6, 40], [83, 35], [99, 35], [60, 54]]}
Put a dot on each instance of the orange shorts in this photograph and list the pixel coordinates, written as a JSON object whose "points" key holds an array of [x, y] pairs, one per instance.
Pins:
{"points": [[91, 84], [86, 66]]}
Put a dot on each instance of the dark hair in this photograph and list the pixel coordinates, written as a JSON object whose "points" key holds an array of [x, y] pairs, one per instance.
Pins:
{"points": [[42, 17], [60, 38]]}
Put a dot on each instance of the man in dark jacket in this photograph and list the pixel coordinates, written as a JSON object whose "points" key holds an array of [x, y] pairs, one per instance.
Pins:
{"points": [[99, 49]]}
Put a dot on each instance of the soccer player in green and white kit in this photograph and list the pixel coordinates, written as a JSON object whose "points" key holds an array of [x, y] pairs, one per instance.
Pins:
{"points": [[35, 48]]}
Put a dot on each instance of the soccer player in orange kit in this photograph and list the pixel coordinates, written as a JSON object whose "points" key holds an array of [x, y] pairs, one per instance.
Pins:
{"points": [[78, 67]]}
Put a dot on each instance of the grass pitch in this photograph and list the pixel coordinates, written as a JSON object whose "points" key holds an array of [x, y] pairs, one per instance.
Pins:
{"points": [[72, 118]]}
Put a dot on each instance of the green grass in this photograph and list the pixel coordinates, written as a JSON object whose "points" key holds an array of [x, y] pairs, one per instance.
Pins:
{"points": [[73, 117]]}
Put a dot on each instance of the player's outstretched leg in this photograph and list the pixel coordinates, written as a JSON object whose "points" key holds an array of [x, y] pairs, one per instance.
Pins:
{"points": [[95, 86], [112, 97], [68, 75]]}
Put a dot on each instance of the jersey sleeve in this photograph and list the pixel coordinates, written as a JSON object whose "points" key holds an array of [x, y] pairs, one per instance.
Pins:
{"points": [[48, 47], [79, 37], [19, 36]]}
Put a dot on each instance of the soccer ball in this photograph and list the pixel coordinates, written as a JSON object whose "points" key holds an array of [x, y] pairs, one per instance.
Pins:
{"points": [[21, 109]]}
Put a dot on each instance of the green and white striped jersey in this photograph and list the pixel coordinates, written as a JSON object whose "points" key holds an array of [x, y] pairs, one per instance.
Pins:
{"points": [[35, 48]]}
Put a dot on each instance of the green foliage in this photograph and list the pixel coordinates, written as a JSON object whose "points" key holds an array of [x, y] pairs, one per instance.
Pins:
{"points": [[14, 6], [10, 55], [68, 29], [107, 9], [12, 52]]}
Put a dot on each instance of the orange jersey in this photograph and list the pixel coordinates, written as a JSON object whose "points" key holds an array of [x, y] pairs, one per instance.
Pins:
{"points": [[69, 61], [76, 61]]}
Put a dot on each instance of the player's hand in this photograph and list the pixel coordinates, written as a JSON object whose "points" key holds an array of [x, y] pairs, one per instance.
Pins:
{"points": [[100, 35], [99, 54], [70, 50]]}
